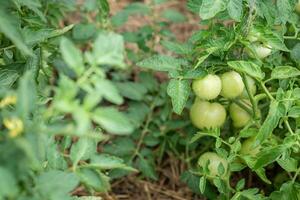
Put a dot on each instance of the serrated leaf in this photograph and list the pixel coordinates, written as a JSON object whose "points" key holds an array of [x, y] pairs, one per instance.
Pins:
{"points": [[289, 164], [161, 63], [210, 8], [94, 179], [55, 184], [10, 27], [247, 67], [109, 91], [283, 72], [109, 49], [276, 111], [268, 156], [179, 91], [177, 47], [105, 162], [113, 121], [235, 9], [82, 150], [72, 56]]}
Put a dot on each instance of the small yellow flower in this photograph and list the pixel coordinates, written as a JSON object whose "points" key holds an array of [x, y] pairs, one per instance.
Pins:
{"points": [[14, 125], [8, 101]]}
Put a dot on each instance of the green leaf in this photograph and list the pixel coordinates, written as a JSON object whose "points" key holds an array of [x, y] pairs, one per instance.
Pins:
{"points": [[113, 121], [83, 31], [109, 49], [173, 16], [162, 63], [284, 72], [247, 67], [131, 90], [262, 175], [268, 155], [33, 36], [147, 168], [83, 149], [210, 8], [177, 47], [105, 162], [294, 112], [202, 184], [194, 73], [295, 53], [179, 91], [56, 185], [109, 91], [10, 27], [288, 164], [8, 184], [235, 9], [276, 111], [288, 191], [284, 10], [94, 179], [275, 41], [26, 96], [72, 56], [8, 77]]}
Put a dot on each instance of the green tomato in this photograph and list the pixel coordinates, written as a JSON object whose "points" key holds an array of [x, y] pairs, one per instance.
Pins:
{"points": [[297, 7], [239, 116], [207, 88], [262, 51], [253, 35], [252, 87], [214, 161], [207, 115], [248, 149], [232, 85]]}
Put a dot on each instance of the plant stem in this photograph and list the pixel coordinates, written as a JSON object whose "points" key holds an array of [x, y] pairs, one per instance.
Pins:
{"points": [[296, 174], [144, 131], [287, 124], [243, 106], [252, 100], [266, 91]]}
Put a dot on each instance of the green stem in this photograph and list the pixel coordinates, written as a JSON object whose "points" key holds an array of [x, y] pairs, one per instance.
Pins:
{"points": [[243, 106], [296, 174], [266, 91], [287, 124], [252, 100]]}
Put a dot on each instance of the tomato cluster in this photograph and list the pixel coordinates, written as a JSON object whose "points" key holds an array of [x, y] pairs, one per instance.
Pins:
{"points": [[208, 115]]}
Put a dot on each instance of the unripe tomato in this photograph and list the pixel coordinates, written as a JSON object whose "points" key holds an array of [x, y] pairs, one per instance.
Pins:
{"points": [[248, 149], [254, 35], [207, 115], [252, 87], [262, 51], [232, 85], [297, 7], [214, 161], [207, 88], [239, 116]]}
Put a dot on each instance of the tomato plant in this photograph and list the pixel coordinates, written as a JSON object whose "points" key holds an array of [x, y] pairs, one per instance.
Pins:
{"points": [[81, 105], [254, 47]]}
